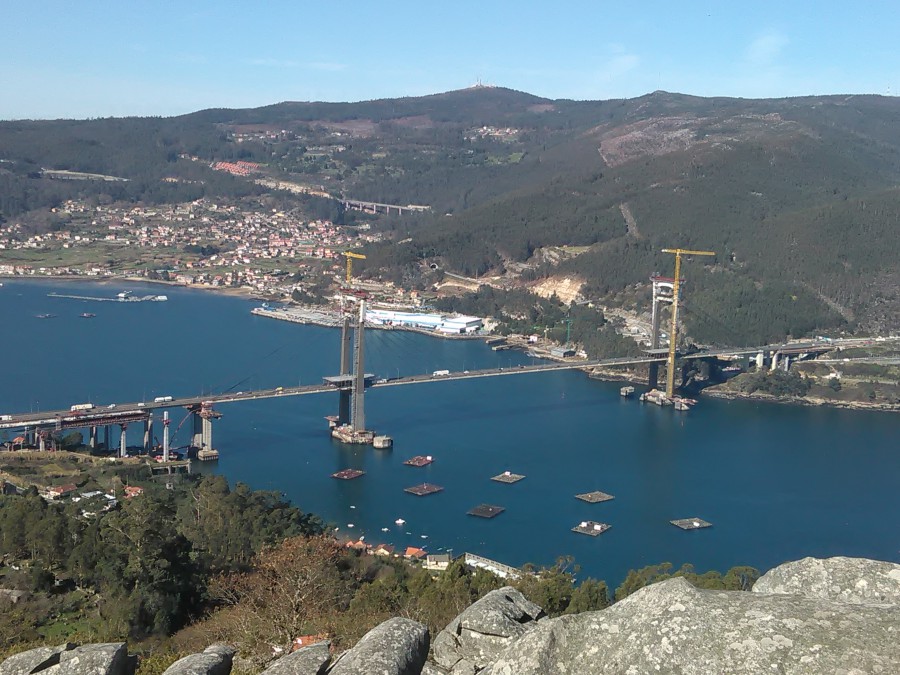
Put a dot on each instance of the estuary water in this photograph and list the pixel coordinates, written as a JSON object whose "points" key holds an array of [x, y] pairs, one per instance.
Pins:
{"points": [[777, 482]]}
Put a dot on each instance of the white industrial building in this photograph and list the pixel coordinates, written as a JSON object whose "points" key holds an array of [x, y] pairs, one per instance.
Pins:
{"points": [[435, 322]]}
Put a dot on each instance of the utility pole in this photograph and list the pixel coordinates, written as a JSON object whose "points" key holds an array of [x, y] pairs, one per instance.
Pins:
{"points": [[670, 380]]}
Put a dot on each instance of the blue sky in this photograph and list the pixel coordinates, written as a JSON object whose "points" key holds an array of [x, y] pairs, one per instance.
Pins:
{"points": [[97, 58]]}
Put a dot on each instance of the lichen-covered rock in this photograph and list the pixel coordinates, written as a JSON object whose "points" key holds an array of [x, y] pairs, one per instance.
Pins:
{"points": [[312, 660], [855, 580], [395, 647], [33, 661], [673, 627], [214, 660], [110, 658], [475, 638]]}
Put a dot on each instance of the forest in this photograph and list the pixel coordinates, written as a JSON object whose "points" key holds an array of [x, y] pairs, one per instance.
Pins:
{"points": [[175, 570]]}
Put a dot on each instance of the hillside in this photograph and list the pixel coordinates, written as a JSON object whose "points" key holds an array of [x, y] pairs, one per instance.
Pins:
{"points": [[797, 196]]}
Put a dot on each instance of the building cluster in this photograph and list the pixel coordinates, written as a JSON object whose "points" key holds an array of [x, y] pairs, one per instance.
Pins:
{"points": [[239, 168], [505, 133], [430, 561], [201, 242]]}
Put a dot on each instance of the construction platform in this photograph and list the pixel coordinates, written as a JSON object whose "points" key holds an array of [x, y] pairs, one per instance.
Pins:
{"points": [[594, 497], [419, 460], [348, 474], [382, 442], [346, 434], [423, 489], [508, 477], [207, 454], [690, 523], [591, 528], [486, 511]]}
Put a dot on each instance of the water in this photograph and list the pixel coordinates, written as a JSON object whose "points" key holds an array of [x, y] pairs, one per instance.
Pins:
{"points": [[777, 482]]}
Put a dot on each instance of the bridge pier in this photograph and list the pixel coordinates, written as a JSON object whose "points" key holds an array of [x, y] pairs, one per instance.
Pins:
{"points": [[123, 441], [775, 359], [92, 443], [42, 441], [106, 437], [166, 436], [202, 437], [148, 433], [344, 394]]}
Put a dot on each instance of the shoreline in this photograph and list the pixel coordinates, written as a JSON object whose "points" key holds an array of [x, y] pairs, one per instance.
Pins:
{"points": [[810, 402], [250, 294]]}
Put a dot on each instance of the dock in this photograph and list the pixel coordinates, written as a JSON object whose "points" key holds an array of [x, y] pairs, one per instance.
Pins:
{"points": [[419, 460], [127, 298], [594, 497], [508, 477], [423, 490], [690, 523], [477, 562], [591, 528], [486, 511], [348, 474]]}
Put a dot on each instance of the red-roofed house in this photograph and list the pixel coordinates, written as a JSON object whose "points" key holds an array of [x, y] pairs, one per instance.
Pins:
{"points": [[414, 553]]}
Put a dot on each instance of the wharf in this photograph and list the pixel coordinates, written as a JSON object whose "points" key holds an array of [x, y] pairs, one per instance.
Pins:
{"points": [[508, 477], [130, 298], [423, 490], [690, 523], [348, 474], [594, 497], [478, 562], [419, 460], [486, 511], [591, 528]]}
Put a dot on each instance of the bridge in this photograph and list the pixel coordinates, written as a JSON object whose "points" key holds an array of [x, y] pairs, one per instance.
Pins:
{"points": [[39, 427], [378, 207]]}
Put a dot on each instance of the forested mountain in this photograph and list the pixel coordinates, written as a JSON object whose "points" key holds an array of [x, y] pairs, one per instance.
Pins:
{"points": [[798, 197]]}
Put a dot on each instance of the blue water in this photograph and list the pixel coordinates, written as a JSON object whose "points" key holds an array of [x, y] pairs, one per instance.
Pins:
{"points": [[777, 482]]}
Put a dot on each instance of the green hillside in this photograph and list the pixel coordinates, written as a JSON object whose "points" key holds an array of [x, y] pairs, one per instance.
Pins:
{"points": [[797, 196]]}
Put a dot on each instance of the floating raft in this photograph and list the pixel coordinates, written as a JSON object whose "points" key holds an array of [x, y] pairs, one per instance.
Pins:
{"points": [[591, 528], [486, 511], [423, 489], [419, 460], [594, 497], [508, 477], [690, 523], [348, 474]]}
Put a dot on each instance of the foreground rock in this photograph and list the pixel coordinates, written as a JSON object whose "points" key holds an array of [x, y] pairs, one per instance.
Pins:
{"points": [[673, 627], [33, 661], [312, 660], [853, 580], [214, 660], [395, 647], [96, 659], [477, 636]]}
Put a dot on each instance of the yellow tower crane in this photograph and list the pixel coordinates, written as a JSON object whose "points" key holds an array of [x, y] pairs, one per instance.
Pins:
{"points": [[350, 255], [670, 380]]}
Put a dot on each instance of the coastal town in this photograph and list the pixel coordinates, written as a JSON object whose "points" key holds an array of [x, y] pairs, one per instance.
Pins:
{"points": [[203, 243]]}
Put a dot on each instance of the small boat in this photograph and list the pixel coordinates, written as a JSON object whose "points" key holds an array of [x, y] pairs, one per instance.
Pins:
{"points": [[45, 316], [87, 315], [384, 529], [400, 521]]}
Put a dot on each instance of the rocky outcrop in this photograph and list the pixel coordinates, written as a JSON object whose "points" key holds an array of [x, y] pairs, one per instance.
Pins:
{"points": [[673, 627], [33, 661], [97, 659], [840, 615], [214, 660], [312, 660], [395, 647], [852, 580], [477, 636]]}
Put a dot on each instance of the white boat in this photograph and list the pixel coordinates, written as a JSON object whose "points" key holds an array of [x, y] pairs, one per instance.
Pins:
{"points": [[400, 521]]}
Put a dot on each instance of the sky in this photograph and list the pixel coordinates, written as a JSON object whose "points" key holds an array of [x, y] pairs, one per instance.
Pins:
{"points": [[99, 58]]}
